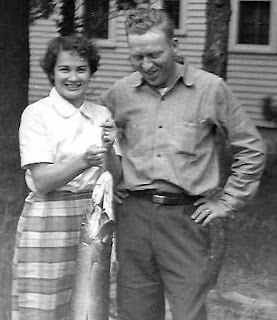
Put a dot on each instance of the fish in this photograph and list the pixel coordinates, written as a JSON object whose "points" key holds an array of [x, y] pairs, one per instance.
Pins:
{"points": [[90, 296]]}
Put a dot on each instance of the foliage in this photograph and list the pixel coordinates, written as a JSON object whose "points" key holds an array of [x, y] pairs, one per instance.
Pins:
{"points": [[69, 21], [41, 8], [67, 24], [125, 4], [130, 4]]}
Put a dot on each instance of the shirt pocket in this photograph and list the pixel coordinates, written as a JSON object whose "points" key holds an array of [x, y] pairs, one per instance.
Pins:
{"points": [[186, 136]]}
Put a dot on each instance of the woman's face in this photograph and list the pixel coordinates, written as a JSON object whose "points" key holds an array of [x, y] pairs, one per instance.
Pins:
{"points": [[71, 77]]}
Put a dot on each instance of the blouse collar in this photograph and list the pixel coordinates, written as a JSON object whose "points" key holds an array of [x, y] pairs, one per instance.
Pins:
{"points": [[66, 109]]}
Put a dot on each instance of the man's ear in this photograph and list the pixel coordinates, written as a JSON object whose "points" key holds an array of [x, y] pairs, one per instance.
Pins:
{"points": [[175, 45]]}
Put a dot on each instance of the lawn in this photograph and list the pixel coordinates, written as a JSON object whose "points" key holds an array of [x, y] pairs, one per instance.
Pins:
{"points": [[247, 286]]}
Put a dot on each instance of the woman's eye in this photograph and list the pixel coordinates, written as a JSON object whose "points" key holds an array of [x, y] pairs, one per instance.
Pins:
{"points": [[63, 69], [82, 70]]}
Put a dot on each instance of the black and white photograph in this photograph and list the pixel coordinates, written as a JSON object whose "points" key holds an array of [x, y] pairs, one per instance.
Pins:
{"points": [[138, 167]]}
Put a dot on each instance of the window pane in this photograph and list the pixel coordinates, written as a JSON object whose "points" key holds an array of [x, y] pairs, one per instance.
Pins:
{"points": [[172, 7], [97, 18], [254, 22]]}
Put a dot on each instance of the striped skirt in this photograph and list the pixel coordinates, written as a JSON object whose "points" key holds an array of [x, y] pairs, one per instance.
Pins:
{"points": [[45, 255]]}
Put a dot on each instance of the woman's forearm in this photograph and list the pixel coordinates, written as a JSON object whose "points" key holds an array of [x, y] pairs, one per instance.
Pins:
{"points": [[48, 177]]}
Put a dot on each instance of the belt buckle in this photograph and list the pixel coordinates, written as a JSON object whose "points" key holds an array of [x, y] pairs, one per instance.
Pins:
{"points": [[157, 198]]}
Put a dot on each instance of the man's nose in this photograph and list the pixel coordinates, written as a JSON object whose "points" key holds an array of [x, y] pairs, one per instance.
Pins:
{"points": [[146, 63]]}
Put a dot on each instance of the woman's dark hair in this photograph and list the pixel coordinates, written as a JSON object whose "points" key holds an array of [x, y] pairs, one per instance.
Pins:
{"points": [[142, 20], [83, 46]]}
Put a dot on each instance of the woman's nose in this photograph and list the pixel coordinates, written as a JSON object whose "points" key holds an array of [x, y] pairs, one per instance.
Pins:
{"points": [[73, 76]]}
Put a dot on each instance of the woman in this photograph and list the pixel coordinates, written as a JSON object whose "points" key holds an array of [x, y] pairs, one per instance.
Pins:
{"points": [[64, 143]]}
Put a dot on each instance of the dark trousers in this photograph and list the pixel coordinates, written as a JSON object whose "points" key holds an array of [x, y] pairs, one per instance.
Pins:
{"points": [[161, 252]]}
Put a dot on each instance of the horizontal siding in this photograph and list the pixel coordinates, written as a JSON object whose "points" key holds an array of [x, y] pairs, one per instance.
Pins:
{"points": [[252, 77], [41, 31], [114, 62], [192, 43]]}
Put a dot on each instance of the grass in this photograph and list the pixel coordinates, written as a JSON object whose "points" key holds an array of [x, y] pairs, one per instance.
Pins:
{"points": [[12, 193]]}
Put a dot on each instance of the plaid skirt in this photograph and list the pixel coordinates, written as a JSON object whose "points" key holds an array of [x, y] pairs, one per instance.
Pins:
{"points": [[45, 255]]}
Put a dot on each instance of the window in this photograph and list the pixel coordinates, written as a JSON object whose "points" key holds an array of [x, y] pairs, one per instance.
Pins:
{"points": [[97, 18], [177, 9], [253, 27], [173, 9], [254, 22], [97, 21]]}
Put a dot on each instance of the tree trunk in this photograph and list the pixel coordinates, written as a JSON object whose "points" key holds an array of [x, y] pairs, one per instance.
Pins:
{"points": [[67, 25], [14, 62], [14, 72], [216, 47], [215, 59]]}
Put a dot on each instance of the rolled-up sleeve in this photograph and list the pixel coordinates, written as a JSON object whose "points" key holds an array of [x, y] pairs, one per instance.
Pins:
{"points": [[247, 148]]}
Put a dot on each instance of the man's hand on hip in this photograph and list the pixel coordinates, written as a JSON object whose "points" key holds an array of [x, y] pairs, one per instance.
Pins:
{"points": [[119, 195], [209, 209]]}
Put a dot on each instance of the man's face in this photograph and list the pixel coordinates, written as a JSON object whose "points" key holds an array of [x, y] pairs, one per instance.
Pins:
{"points": [[152, 54]]}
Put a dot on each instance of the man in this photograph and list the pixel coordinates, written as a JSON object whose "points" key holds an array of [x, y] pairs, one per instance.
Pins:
{"points": [[168, 114]]}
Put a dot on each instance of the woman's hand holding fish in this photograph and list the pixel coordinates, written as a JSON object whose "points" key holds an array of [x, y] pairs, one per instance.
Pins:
{"points": [[94, 156]]}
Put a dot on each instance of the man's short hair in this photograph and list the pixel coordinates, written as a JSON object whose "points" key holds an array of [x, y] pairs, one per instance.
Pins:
{"points": [[142, 20]]}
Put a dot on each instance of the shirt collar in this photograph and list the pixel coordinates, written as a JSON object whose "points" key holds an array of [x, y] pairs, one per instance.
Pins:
{"points": [[66, 109], [188, 75], [184, 72], [61, 105]]}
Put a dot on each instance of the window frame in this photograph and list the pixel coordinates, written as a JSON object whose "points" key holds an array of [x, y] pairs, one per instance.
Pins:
{"points": [[182, 16], [234, 46], [110, 41]]}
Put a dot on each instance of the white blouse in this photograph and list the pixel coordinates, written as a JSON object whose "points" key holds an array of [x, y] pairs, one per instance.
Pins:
{"points": [[52, 130]]}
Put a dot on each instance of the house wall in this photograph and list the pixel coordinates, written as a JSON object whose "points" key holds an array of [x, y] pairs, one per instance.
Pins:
{"points": [[114, 55], [40, 33], [251, 76]]}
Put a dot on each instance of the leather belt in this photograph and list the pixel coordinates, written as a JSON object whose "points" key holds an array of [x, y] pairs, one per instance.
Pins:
{"points": [[172, 199]]}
